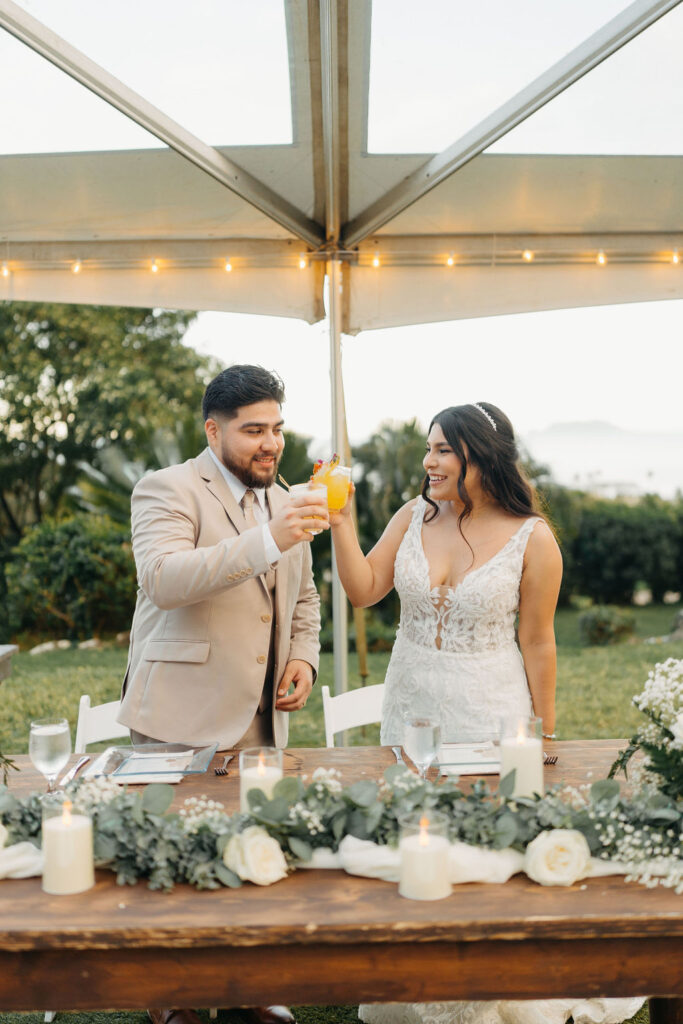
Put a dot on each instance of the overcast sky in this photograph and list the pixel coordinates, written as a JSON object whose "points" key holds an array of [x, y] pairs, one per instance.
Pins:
{"points": [[619, 364]]}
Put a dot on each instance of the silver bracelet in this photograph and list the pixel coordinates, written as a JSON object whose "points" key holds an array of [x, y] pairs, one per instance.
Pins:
{"points": [[549, 735]]}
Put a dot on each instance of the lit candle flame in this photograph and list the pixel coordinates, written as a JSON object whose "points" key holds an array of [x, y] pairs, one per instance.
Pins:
{"points": [[261, 763], [424, 835], [520, 733], [66, 812]]}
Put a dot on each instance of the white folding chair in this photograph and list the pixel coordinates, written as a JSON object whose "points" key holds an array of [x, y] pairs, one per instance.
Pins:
{"points": [[97, 723], [355, 707]]}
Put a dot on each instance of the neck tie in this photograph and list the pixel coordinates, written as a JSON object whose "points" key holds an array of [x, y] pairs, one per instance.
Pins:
{"points": [[250, 520]]}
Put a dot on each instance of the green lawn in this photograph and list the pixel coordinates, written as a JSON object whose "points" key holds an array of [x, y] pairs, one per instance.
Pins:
{"points": [[595, 687]]}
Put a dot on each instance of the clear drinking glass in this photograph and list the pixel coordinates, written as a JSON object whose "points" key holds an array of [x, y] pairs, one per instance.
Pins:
{"points": [[49, 747], [315, 492], [421, 742]]}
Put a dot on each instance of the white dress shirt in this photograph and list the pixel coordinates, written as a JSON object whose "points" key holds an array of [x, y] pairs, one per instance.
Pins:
{"points": [[261, 510]]}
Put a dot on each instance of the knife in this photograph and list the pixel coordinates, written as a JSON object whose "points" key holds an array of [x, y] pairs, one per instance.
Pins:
{"points": [[71, 774]]}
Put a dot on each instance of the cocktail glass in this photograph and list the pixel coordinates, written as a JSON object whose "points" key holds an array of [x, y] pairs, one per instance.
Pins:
{"points": [[338, 481], [315, 491]]}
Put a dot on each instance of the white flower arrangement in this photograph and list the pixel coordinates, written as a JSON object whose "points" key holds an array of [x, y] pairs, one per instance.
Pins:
{"points": [[254, 856], [560, 856]]}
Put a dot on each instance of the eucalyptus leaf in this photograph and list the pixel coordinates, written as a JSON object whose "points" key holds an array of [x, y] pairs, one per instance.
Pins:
{"points": [[506, 785], [226, 876], [289, 788], [157, 797], [363, 793], [272, 810], [505, 831], [302, 851], [605, 790]]}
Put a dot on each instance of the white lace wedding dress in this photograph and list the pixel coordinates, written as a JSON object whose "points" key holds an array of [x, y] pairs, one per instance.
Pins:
{"points": [[455, 651]]}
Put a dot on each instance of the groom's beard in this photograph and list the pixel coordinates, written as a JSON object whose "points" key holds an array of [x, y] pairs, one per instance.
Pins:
{"points": [[247, 476]]}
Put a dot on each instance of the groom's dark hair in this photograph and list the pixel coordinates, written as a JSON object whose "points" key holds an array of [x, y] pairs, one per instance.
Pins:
{"points": [[240, 385]]}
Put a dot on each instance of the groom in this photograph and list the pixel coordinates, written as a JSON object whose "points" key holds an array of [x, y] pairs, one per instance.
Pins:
{"points": [[227, 616]]}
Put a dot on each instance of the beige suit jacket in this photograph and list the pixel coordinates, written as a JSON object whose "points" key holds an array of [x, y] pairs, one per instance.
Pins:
{"points": [[201, 631]]}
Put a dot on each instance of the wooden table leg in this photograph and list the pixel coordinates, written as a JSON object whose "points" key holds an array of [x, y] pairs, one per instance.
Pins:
{"points": [[666, 1011]]}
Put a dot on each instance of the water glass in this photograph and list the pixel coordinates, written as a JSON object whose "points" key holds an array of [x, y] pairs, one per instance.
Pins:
{"points": [[421, 742], [49, 747]]}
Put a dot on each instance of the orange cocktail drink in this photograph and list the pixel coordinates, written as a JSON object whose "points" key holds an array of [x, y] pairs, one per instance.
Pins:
{"points": [[336, 478]]}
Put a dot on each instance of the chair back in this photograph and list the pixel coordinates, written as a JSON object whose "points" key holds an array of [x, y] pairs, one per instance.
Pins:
{"points": [[355, 707], [97, 723]]}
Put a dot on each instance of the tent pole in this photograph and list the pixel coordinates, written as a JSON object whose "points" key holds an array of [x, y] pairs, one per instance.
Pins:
{"points": [[339, 604]]}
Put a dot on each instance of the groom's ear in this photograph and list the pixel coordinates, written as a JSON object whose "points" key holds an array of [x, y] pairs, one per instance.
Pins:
{"points": [[211, 429]]}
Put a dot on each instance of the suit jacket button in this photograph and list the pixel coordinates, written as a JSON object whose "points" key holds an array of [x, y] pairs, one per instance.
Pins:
{"points": [[261, 659], [265, 618]]}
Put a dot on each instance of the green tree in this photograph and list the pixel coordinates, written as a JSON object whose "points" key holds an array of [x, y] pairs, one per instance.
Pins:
{"points": [[75, 378]]}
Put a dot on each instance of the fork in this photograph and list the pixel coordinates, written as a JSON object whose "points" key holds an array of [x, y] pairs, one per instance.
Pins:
{"points": [[398, 755], [549, 758], [223, 770]]}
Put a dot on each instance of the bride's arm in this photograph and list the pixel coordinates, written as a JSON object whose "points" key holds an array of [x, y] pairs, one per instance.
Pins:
{"points": [[367, 578], [538, 591]]}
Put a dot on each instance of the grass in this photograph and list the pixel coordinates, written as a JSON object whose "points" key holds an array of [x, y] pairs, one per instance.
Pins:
{"points": [[595, 687]]}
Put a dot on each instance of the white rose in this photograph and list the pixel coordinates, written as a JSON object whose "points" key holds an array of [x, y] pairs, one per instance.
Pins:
{"points": [[232, 855], [3, 835], [255, 857], [558, 857], [677, 729]]}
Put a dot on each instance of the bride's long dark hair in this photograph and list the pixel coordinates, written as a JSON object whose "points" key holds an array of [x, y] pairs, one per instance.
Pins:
{"points": [[493, 452]]}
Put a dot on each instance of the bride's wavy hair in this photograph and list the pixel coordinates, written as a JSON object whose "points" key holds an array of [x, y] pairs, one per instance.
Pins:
{"points": [[471, 435]]}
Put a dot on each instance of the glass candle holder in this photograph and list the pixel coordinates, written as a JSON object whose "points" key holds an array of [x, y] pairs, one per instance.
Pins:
{"points": [[424, 849], [521, 749], [68, 862], [260, 768]]}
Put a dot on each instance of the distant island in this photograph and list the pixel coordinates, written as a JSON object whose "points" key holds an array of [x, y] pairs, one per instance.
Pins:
{"points": [[609, 461]]}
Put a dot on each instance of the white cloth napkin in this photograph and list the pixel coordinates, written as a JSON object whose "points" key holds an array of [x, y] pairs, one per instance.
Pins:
{"points": [[467, 863], [21, 861]]}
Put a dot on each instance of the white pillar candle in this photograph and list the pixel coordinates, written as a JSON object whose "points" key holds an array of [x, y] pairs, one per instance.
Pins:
{"points": [[424, 873], [525, 755], [68, 853], [261, 776]]}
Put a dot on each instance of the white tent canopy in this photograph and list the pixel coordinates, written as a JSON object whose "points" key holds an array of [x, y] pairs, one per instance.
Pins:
{"points": [[450, 232], [402, 238]]}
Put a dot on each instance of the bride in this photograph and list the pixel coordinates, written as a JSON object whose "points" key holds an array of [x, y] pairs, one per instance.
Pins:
{"points": [[468, 558]]}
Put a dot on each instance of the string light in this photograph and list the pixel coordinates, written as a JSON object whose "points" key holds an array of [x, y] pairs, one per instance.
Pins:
{"points": [[76, 268], [228, 266], [528, 255], [5, 270], [602, 259], [302, 263], [450, 261], [375, 261], [155, 267], [675, 258]]}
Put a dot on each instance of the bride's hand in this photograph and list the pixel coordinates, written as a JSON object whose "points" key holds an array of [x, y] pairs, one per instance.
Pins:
{"points": [[338, 516]]}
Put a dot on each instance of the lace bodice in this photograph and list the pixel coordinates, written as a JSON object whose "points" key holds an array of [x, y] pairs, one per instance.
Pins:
{"points": [[478, 614]]}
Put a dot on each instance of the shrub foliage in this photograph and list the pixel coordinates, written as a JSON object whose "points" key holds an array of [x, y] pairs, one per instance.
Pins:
{"points": [[73, 577]]}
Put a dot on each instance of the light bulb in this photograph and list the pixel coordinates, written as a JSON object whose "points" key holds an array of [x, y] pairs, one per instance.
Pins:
{"points": [[302, 263], [5, 270], [228, 266], [375, 261], [602, 259], [155, 267], [675, 258], [450, 261], [528, 255], [76, 268]]}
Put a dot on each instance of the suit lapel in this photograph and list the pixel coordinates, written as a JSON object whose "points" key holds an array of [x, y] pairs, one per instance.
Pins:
{"points": [[216, 485]]}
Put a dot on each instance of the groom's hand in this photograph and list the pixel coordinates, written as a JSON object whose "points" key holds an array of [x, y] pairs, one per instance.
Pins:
{"points": [[292, 525], [300, 674]]}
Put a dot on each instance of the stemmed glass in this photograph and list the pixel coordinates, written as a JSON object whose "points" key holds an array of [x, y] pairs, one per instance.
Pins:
{"points": [[49, 747], [421, 740]]}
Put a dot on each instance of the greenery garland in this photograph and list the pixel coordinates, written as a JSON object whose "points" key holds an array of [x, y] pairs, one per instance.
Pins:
{"points": [[136, 836]]}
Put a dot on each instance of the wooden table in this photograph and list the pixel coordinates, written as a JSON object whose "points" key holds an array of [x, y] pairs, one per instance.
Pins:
{"points": [[326, 937]]}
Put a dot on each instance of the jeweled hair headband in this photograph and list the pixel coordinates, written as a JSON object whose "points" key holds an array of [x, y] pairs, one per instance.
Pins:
{"points": [[484, 413]]}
